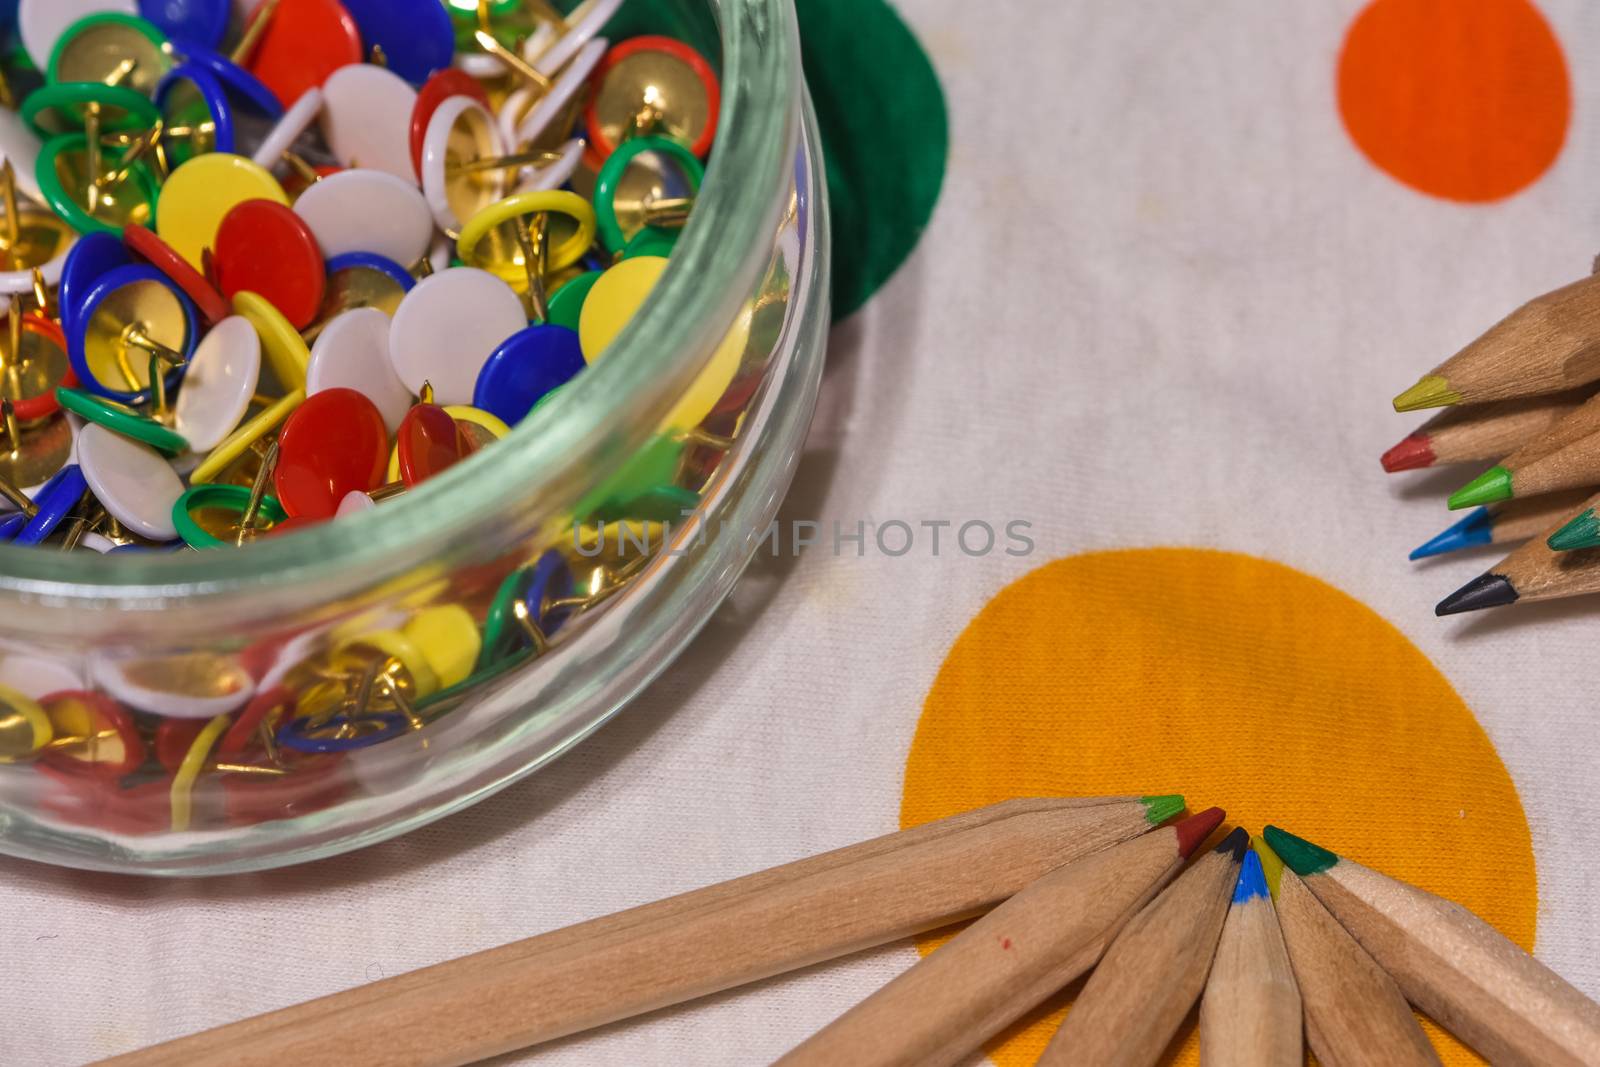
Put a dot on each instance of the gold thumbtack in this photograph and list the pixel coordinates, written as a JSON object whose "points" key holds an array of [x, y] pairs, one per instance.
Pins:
{"points": [[668, 212], [41, 294], [536, 634], [13, 234], [137, 149], [486, 39], [253, 32], [258, 490], [18, 498], [379, 57], [161, 357], [305, 171], [514, 161], [535, 262]]}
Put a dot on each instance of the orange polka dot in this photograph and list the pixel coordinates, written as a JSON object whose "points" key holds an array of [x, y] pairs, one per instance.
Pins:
{"points": [[1240, 683], [1463, 100]]}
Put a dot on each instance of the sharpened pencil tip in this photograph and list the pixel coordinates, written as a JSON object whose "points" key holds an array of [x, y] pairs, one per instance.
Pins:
{"points": [[1298, 854], [1431, 392], [1193, 831], [1412, 454], [1476, 529], [1158, 809], [1492, 485], [1236, 844], [1252, 880], [1271, 865], [1485, 591], [1581, 532]]}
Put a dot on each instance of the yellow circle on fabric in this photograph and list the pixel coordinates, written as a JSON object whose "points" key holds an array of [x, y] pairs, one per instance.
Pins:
{"points": [[1237, 682]]}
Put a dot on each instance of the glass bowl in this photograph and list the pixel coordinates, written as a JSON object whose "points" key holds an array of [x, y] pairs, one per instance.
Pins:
{"points": [[385, 613]]}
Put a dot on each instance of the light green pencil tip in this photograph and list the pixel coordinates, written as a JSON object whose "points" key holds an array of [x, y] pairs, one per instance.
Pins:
{"points": [[1581, 532], [1431, 392], [1492, 485], [1158, 809], [1298, 854], [1271, 865]]}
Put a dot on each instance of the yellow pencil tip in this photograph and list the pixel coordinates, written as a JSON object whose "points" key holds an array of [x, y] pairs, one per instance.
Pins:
{"points": [[1271, 865], [1431, 392]]}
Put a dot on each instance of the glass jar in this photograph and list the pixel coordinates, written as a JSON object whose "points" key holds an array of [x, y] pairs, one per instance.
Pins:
{"points": [[381, 610]]}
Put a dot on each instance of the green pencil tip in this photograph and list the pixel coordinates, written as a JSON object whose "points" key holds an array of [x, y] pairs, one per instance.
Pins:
{"points": [[1298, 854], [1431, 392], [1158, 809], [1581, 532], [1492, 485]]}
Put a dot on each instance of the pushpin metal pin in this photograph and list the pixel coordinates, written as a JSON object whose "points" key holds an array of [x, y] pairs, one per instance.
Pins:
{"points": [[253, 32], [535, 260], [134, 336], [486, 39], [258, 490]]}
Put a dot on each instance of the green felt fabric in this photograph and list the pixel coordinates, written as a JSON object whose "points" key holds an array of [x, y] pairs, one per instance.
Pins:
{"points": [[885, 137], [881, 111]]}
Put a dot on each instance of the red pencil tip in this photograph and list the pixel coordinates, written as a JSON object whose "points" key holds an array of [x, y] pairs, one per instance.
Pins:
{"points": [[1412, 454], [1193, 831]]}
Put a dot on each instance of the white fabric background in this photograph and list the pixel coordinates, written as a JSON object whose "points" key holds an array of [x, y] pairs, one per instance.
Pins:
{"points": [[1177, 318]]}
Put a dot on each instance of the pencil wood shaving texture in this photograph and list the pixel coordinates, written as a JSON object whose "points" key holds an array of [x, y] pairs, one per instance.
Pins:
{"points": [[1508, 1006], [1355, 1014], [998, 969], [1250, 1015], [674, 950], [1153, 972], [1550, 344], [1518, 520]]}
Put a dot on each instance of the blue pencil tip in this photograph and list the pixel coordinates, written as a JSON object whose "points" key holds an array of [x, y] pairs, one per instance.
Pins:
{"points": [[1252, 882], [1476, 529]]}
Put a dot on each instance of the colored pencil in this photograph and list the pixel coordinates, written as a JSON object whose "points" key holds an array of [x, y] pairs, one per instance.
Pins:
{"points": [[678, 949], [1475, 432], [1533, 572], [1576, 533], [1548, 345], [1565, 456], [1154, 971], [1502, 524], [998, 969], [1250, 1015], [1465, 974], [1355, 1014]]}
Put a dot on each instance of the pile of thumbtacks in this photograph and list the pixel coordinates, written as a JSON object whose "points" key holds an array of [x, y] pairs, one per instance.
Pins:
{"points": [[1525, 396], [1326, 953], [263, 273]]}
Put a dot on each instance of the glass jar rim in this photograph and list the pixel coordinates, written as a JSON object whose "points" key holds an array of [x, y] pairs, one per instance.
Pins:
{"points": [[716, 263]]}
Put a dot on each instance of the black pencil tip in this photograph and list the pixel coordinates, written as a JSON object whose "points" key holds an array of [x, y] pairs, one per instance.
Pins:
{"points": [[1235, 844], [1484, 591]]}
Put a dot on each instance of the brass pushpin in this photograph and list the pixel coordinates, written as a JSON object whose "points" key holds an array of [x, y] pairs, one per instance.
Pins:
{"points": [[486, 39], [75, 533], [258, 490], [13, 221], [536, 634], [514, 161], [253, 33], [18, 498], [668, 212], [426, 396], [378, 57], [137, 149], [41, 295], [535, 248], [161, 358]]}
